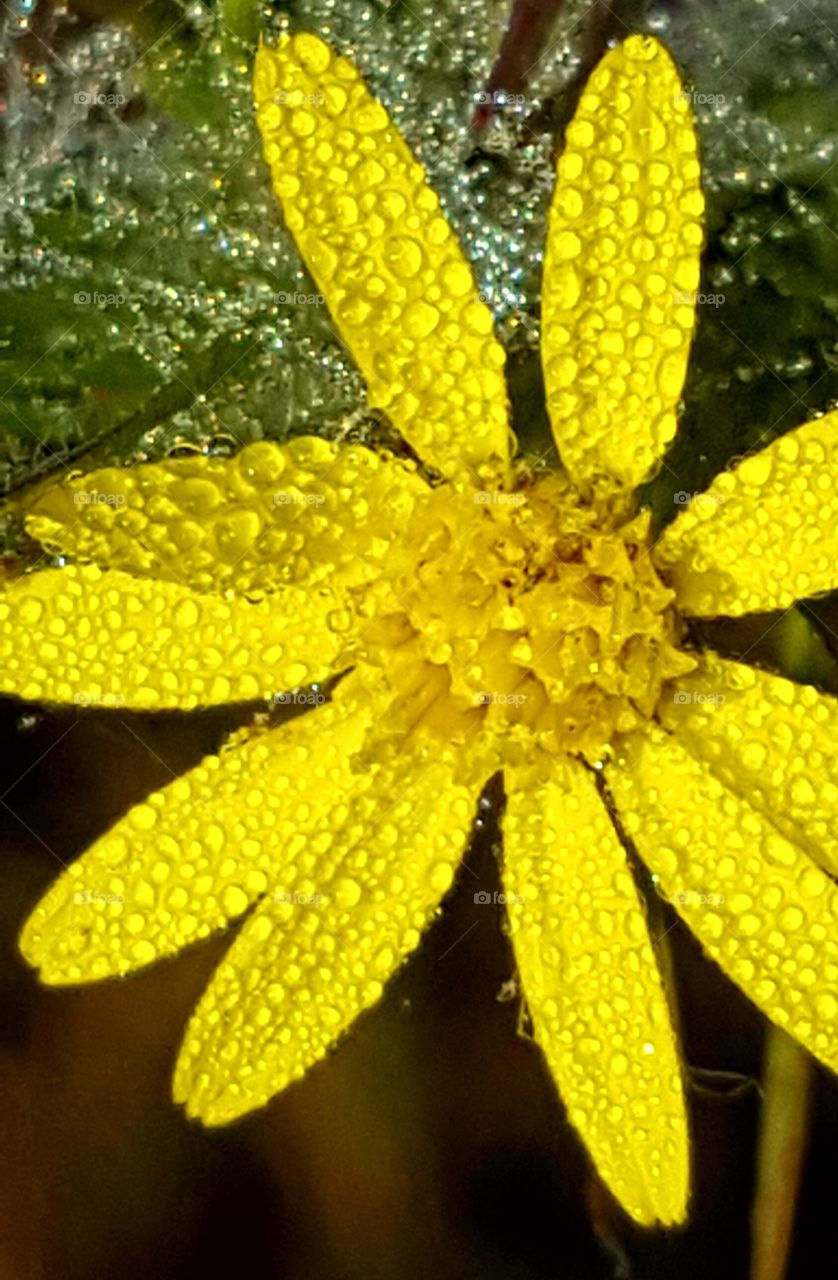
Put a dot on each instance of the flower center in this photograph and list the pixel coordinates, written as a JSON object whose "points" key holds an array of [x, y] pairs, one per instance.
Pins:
{"points": [[526, 608]]}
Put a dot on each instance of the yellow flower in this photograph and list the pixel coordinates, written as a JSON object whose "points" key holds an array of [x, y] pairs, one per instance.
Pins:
{"points": [[483, 615]]}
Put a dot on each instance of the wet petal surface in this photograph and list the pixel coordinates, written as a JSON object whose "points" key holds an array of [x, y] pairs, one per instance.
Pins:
{"points": [[621, 267], [195, 854], [104, 638], [764, 534], [350, 906], [294, 514], [371, 232], [591, 981], [759, 905], [770, 740]]}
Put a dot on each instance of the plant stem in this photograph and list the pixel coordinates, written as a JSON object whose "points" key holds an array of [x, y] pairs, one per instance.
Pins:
{"points": [[780, 1154]]}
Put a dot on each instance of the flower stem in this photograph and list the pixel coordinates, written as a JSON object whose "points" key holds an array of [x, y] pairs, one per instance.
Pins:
{"points": [[780, 1154], [529, 26]]}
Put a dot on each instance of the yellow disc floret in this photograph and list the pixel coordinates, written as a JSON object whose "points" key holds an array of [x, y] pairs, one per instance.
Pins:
{"points": [[527, 606]]}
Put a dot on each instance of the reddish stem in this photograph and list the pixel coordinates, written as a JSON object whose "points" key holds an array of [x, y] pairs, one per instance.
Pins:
{"points": [[522, 45]]}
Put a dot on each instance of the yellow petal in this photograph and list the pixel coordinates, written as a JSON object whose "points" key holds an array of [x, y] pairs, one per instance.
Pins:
{"points": [[376, 242], [768, 739], [103, 638], [764, 534], [592, 984], [194, 855], [302, 513], [621, 267], [351, 903], [759, 905]]}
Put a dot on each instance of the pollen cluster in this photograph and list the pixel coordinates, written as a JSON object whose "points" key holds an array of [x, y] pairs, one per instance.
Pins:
{"points": [[527, 606]]}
